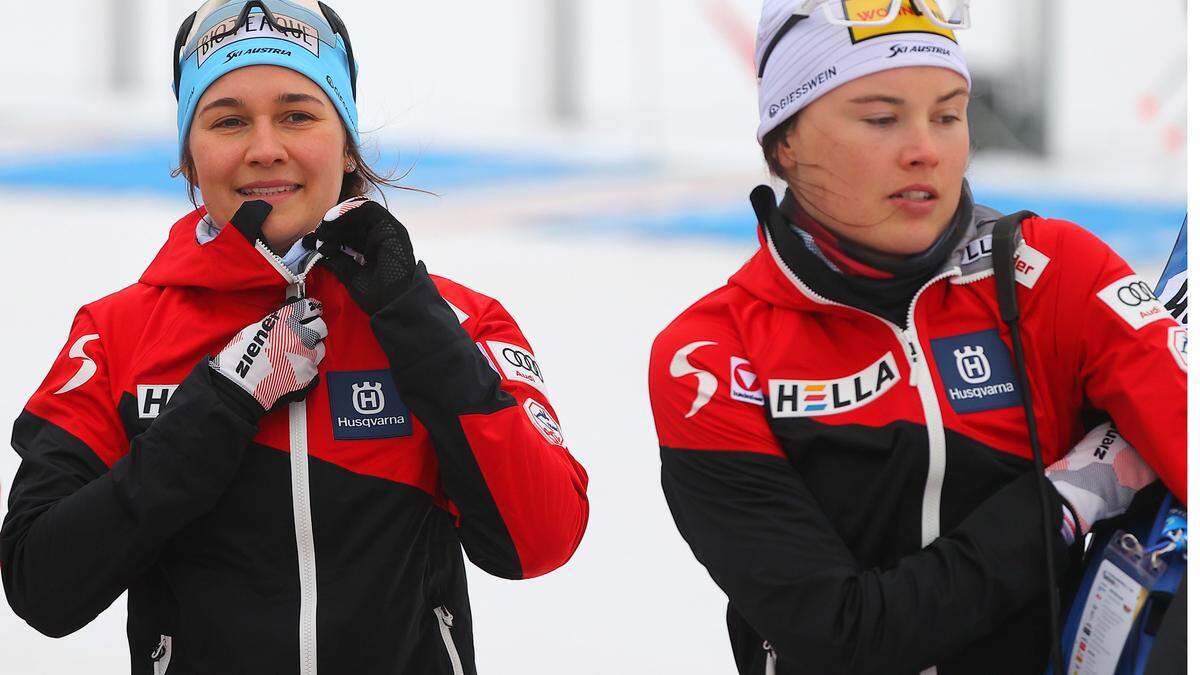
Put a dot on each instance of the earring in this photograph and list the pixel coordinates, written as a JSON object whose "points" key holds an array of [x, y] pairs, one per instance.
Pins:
{"points": [[350, 167]]}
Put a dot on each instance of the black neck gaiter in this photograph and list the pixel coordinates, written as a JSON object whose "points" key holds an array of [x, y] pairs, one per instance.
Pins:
{"points": [[888, 298]]}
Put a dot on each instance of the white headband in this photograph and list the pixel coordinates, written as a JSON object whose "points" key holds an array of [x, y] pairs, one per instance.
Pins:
{"points": [[815, 56]]}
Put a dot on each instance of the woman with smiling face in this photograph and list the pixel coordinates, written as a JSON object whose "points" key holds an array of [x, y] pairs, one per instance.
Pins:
{"points": [[269, 133], [843, 442], [282, 439]]}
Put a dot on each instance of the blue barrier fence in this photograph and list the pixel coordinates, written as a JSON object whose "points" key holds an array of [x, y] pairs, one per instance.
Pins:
{"points": [[1136, 229]]}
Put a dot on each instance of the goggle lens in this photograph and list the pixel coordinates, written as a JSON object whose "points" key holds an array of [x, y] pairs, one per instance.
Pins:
{"points": [[217, 20], [304, 20], [954, 14]]}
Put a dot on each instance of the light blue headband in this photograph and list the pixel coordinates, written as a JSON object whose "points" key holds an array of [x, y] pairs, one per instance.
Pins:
{"points": [[308, 44]]}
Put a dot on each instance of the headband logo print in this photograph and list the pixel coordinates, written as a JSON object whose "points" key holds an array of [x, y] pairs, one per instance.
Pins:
{"points": [[257, 26]]}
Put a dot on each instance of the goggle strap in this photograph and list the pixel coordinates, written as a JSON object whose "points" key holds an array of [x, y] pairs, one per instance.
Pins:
{"points": [[787, 25], [180, 42], [339, 28]]}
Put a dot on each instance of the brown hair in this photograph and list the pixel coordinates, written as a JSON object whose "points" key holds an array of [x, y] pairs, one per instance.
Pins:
{"points": [[771, 142], [357, 183]]}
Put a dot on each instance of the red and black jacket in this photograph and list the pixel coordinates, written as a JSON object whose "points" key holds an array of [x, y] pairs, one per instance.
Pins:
{"points": [[329, 533], [861, 489]]}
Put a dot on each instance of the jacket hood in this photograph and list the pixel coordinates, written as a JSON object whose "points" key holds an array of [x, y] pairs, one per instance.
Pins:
{"points": [[768, 280], [229, 262]]}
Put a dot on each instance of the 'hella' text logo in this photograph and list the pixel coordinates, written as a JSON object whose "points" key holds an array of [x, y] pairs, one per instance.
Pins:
{"points": [[972, 364], [152, 398], [810, 398], [368, 398]]}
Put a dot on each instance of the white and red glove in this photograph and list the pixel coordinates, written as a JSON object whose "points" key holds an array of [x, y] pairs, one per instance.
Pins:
{"points": [[1099, 477], [275, 360]]}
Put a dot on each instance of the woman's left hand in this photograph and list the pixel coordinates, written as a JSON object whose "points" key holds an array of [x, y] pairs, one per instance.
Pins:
{"points": [[1100, 476], [368, 250]]}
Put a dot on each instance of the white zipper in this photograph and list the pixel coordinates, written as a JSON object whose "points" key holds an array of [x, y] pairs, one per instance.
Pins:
{"points": [[445, 621], [306, 554], [771, 658], [293, 279], [931, 500], [922, 379], [919, 377], [305, 548], [162, 655]]}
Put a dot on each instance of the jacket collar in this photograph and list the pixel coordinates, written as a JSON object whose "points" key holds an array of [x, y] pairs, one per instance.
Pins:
{"points": [[230, 262], [769, 277]]}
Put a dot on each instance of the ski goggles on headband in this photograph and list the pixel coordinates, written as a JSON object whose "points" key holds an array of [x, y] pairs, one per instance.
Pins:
{"points": [[218, 21], [948, 14]]}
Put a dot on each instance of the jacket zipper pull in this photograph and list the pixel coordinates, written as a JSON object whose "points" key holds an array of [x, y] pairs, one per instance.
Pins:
{"points": [[445, 616], [771, 658], [297, 288], [160, 658]]}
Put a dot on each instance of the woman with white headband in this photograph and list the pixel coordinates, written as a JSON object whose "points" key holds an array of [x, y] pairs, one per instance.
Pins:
{"points": [[843, 438], [283, 437]]}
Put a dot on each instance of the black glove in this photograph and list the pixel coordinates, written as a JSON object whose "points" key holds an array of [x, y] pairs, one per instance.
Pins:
{"points": [[249, 219], [368, 250]]}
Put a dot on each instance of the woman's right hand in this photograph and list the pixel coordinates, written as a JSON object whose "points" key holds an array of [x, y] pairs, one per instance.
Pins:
{"points": [[275, 360]]}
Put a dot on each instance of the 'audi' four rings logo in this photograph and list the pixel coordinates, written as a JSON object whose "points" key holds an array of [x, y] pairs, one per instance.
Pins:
{"points": [[1135, 294], [521, 360]]}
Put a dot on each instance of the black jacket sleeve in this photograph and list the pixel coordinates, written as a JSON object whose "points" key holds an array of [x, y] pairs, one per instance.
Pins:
{"points": [[752, 522], [521, 497], [78, 533]]}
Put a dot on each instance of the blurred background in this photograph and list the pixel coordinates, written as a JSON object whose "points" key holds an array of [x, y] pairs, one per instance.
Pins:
{"points": [[590, 161]]}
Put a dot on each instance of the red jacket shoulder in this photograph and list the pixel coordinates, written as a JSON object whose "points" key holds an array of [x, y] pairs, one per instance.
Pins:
{"points": [[128, 303], [1063, 238], [466, 302], [120, 317], [713, 312], [695, 403]]}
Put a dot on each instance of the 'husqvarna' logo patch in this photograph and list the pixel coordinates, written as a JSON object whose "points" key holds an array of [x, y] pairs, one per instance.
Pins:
{"points": [[368, 398], [364, 404], [973, 365], [976, 371]]}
